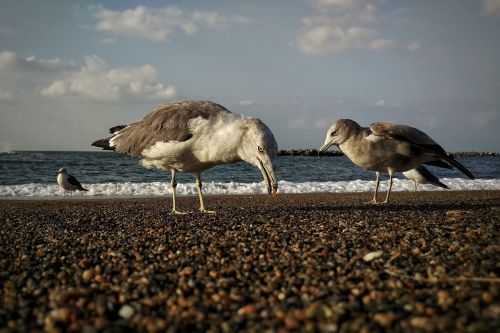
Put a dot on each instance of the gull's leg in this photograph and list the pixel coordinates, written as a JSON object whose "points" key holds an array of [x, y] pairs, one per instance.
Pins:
{"points": [[173, 185], [374, 200], [416, 186], [200, 195], [390, 187]]}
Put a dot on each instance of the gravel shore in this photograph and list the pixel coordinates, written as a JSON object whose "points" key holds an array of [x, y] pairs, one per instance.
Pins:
{"points": [[426, 262]]}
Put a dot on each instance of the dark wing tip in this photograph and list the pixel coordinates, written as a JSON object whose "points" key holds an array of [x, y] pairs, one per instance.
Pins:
{"points": [[115, 129], [103, 143], [73, 181]]}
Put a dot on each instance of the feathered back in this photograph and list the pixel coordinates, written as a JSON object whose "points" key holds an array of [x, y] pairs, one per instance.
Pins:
{"points": [[166, 123]]}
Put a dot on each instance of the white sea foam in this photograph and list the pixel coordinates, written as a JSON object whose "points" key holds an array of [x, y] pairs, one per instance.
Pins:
{"points": [[163, 188]]}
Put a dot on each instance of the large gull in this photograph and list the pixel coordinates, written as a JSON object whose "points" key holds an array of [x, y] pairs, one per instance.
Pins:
{"points": [[421, 175], [193, 136], [387, 147], [67, 182]]}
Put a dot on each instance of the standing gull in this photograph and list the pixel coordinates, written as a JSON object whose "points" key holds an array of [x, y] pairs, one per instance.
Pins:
{"points": [[193, 136], [67, 182], [421, 175], [387, 147]]}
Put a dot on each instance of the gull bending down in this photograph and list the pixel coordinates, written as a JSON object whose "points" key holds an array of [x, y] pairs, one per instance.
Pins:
{"points": [[193, 136], [387, 147], [67, 182], [421, 175]]}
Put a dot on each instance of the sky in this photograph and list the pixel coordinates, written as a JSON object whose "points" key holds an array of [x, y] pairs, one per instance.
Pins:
{"points": [[69, 70]]}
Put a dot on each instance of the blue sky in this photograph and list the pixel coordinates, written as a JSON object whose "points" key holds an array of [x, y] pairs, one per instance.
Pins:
{"points": [[69, 70]]}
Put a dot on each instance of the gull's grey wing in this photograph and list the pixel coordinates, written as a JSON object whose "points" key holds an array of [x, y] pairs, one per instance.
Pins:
{"points": [[417, 139], [409, 134], [166, 123], [73, 181], [439, 164]]}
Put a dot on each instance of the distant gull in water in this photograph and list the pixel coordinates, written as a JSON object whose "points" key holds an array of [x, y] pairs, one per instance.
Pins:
{"points": [[67, 182], [387, 147], [193, 136], [421, 175]]}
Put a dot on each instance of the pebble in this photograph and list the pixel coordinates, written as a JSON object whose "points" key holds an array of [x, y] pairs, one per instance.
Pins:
{"points": [[126, 311], [311, 263], [88, 274], [372, 256]]}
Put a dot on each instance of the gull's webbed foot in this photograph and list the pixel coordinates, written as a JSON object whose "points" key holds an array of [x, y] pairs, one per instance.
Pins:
{"points": [[176, 212], [204, 211]]}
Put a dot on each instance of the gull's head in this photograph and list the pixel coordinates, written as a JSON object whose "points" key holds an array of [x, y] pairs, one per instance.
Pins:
{"points": [[258, 147], [338, 133], [61, 170]]}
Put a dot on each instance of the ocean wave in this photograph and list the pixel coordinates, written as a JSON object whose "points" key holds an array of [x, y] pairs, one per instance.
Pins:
{"points": [[217, 188]]}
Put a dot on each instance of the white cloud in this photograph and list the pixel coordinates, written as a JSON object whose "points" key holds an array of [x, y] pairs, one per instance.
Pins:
{"points": [[413, 47], [308, 124], [6, 30], [342, 25], [10, 62], [5, 94], [246, 102], [337, 4], [491, 8], [6, 147], [481, 119], [380, 103], [332, 39], [215, 20], [95, 80], [157, 24]]}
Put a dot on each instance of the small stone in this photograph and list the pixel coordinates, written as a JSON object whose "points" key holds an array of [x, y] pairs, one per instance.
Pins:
{"points": [[372, 255], [99, 278], [88, 274], [487, 297], [384, 319], [186, 271], [444, 299], [421, 323], [291, 323], [126, 311], [247, 310]]}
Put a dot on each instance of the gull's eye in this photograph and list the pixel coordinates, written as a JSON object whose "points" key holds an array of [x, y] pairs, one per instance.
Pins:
{"points": [[261, 149], [333, 133]]}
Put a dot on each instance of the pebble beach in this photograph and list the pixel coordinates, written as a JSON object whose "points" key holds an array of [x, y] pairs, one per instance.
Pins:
{"points": [[326, 262]]}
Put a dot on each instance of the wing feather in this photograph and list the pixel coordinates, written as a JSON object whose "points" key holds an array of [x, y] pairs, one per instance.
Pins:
{"points": [[418, 139], [408, 134], [166, 123], [73, 181]]}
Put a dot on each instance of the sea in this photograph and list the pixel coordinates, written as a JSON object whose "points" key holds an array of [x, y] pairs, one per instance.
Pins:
{"points": [[32, 174]]}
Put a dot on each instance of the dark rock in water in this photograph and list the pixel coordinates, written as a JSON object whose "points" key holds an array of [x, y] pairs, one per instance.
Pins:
{"points": [[314, 152], [308, 152]]}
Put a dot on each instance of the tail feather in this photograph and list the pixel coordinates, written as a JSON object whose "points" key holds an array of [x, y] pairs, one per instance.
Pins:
{"points": [[104, 144], [438, 183], [459, 166], [439, 164]]}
